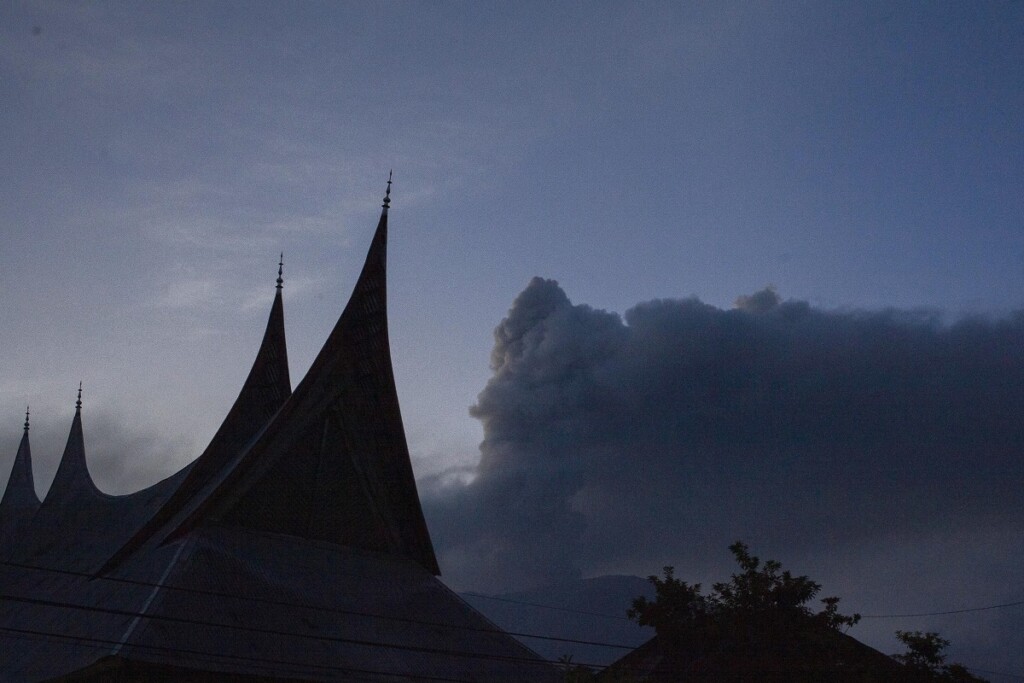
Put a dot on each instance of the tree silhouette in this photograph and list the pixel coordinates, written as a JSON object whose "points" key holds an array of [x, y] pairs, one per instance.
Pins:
{"points": [[759, 600], [760, 625], [926, 659]]}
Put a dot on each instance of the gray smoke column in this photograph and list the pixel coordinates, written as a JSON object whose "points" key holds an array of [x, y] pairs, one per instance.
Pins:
{"points": [[617, 443]]}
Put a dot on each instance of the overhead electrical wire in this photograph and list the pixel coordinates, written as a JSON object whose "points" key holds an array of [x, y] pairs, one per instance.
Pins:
{"points": [[940, 614], [279, 665], [303, 666], [421, 649], [389, 617], [297, 668], [994, 673], [473, 594], [332, 610], [863, 616], [551, 607]]}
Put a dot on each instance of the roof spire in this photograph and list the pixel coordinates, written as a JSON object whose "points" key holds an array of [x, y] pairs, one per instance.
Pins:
{"points": [[19, 501], [72, 483], [280, 271], [332, 464], [387, 195]]}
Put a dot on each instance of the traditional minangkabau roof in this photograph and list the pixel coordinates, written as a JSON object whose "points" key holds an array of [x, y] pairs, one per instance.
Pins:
{"points": [[293, 548], [76, 508], [264, 391], [333, 464], [77, 526], [20, 501], [72, 482]]}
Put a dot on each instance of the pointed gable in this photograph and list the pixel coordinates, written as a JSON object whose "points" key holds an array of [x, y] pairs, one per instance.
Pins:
{"points": [[334, 464], [72, 482], [116, 525], [62, 530], [266, 388], [19, 501]]}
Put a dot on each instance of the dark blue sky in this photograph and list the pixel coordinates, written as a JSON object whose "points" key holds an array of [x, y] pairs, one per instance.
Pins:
{"points": [[157, 157]]}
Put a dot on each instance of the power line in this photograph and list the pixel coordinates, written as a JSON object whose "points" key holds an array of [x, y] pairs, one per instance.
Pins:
{"points": [[939, 614], [868, 616], [332, 610], [288, 666], [40, 602], [275, 632], [397, 618], [263, 662], [303, 668], [473, 594], [551, 607], [863, 616], [994, 673], [195, 657]]}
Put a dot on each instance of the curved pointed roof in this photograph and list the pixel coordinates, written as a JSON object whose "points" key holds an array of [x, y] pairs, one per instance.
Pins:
{"points": [[20, 500], [115, 525], [71, 516], [72, 481], [319, 489], [333, 465], [265, 389]]}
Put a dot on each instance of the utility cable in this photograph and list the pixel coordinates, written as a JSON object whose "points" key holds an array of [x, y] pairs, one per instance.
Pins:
{"points": [[551, 607], [302, 668], [994, 673], [321, 608], [421, 649], [939, 614], [417, 621], [294, 667]]}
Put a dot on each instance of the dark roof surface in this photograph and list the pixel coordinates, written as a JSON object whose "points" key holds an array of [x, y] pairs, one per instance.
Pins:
{"points": [[245, 601], [265, 390], [72, 483], [77, 526], [333, 463], [822, 655], [20, 501]]}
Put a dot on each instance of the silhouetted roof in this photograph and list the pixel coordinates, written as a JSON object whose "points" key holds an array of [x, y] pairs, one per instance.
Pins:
{"points": [[72, 482], [333, 464], [229, 599], [266, 388], [293, 548], [20, 501], [824, 654], [77, 526]]}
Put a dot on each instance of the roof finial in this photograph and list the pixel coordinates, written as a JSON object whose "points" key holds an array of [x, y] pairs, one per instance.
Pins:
{"points": [[387, 195], [78, 403], [26, 419], [280, 271]]}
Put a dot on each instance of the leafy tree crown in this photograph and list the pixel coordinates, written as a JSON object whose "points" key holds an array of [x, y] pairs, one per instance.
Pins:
{"points": [[761, 598]]}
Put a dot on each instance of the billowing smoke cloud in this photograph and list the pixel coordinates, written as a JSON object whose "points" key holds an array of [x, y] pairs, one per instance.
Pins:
{"points": [[623, 443]]}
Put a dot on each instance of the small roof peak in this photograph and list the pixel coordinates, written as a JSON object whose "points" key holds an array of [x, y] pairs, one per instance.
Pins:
{"points": [[280, 272], [387, 194], [26, 419], [78, 402]]}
